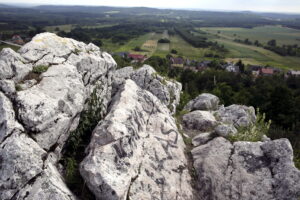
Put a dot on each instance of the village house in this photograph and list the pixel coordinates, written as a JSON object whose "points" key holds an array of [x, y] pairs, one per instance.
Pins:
{"points": [[17, 40], [266, 71], [177, 62], [230, 67], [137, 57], [293, 73], [254, 69]]}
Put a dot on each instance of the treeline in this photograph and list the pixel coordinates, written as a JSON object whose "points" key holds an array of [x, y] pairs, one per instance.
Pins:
{"points": [[284, 50], [196, 41]]}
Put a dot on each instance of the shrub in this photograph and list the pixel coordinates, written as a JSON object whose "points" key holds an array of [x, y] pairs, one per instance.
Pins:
{"points": [[254, 132], [40, 69], [73, 152], [18, 87]]}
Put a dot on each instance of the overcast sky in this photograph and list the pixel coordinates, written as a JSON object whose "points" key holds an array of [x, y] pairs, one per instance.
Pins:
{"points": [[254, 5]]}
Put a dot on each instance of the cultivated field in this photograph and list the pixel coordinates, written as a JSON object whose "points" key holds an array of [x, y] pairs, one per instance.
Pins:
{"points": [[66, 28], [263, 34], [251, 54]]}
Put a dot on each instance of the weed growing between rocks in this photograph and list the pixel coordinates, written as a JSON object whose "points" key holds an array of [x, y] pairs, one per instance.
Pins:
{"points": [[75, 147], [254, 132], [40, 69]]}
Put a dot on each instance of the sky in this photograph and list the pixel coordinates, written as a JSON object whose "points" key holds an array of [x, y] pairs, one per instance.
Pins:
{"points": [[292, 6]]}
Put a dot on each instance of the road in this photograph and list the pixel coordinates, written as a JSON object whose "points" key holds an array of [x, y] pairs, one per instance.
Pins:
{"points": [[5, 42]]}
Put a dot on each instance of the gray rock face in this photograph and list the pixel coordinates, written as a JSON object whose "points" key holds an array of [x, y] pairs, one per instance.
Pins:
{"points": [[199, 120], [49, 107], [225, 130], [246, 170], [136, 152], [12, 65], [238, 115], [204, 101], [47, 110], [167, 91]]}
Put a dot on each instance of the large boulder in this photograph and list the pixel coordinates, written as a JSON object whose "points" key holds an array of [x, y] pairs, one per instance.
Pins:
{"points": [[199, 120], [246, 170], [204, 101], [167, 91], [136, 152], [237, 115]]}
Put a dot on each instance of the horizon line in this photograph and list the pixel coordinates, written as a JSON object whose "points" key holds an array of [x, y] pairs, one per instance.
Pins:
{"points": [[30, 5]]}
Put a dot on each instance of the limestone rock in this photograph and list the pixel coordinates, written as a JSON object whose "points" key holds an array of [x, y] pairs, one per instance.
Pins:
{"points": [[265, 169], [8, 87], [21, 160], [12, 65], [225, 130], [8, 125], [238, 115], [202, 138], [199, 120], [204, 101], [136, 152], [167, 91], [49, 185], [48, 108]]}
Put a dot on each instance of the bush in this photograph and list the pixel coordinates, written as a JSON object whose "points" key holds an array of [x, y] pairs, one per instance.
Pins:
{"points": [[164, 40], [254, 132], [40, 69], [73, 152]]}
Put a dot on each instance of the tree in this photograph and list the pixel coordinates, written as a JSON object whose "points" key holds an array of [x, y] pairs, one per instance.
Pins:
{"points": [[173, 51], [272, 43]]}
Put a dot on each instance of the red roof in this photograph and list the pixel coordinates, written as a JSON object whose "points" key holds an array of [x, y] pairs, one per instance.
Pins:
{"points": [[267, 71], [136, 56]]}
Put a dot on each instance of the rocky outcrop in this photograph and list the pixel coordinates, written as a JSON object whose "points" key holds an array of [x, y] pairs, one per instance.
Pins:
{"points": [[38, 111], [136, 152], [204, 101], [199, 120], [239, 170], [246, 170], [167, 91]]}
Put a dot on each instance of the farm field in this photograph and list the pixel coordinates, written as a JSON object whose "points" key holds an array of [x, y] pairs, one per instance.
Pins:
{"points": [[250, 54], [185, 49], [263, 34], [66, 28]]}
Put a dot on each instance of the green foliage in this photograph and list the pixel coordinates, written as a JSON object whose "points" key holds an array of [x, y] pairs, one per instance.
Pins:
{"points": [[40, 69], [253, 132], [76, 144], [173, 51], [19, 88], [164, 40]]}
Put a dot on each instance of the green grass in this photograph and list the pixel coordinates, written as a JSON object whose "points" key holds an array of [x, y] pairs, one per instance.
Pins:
{"points": [[99, 25], [251, 54], [185, 49], [2, 46], [263, 34], [257, 55], [66, 28]]}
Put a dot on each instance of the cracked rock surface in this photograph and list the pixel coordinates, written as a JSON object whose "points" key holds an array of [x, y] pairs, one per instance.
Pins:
{"points": [[38, 111], [136, 152], [242, 170], [167, 91]]}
